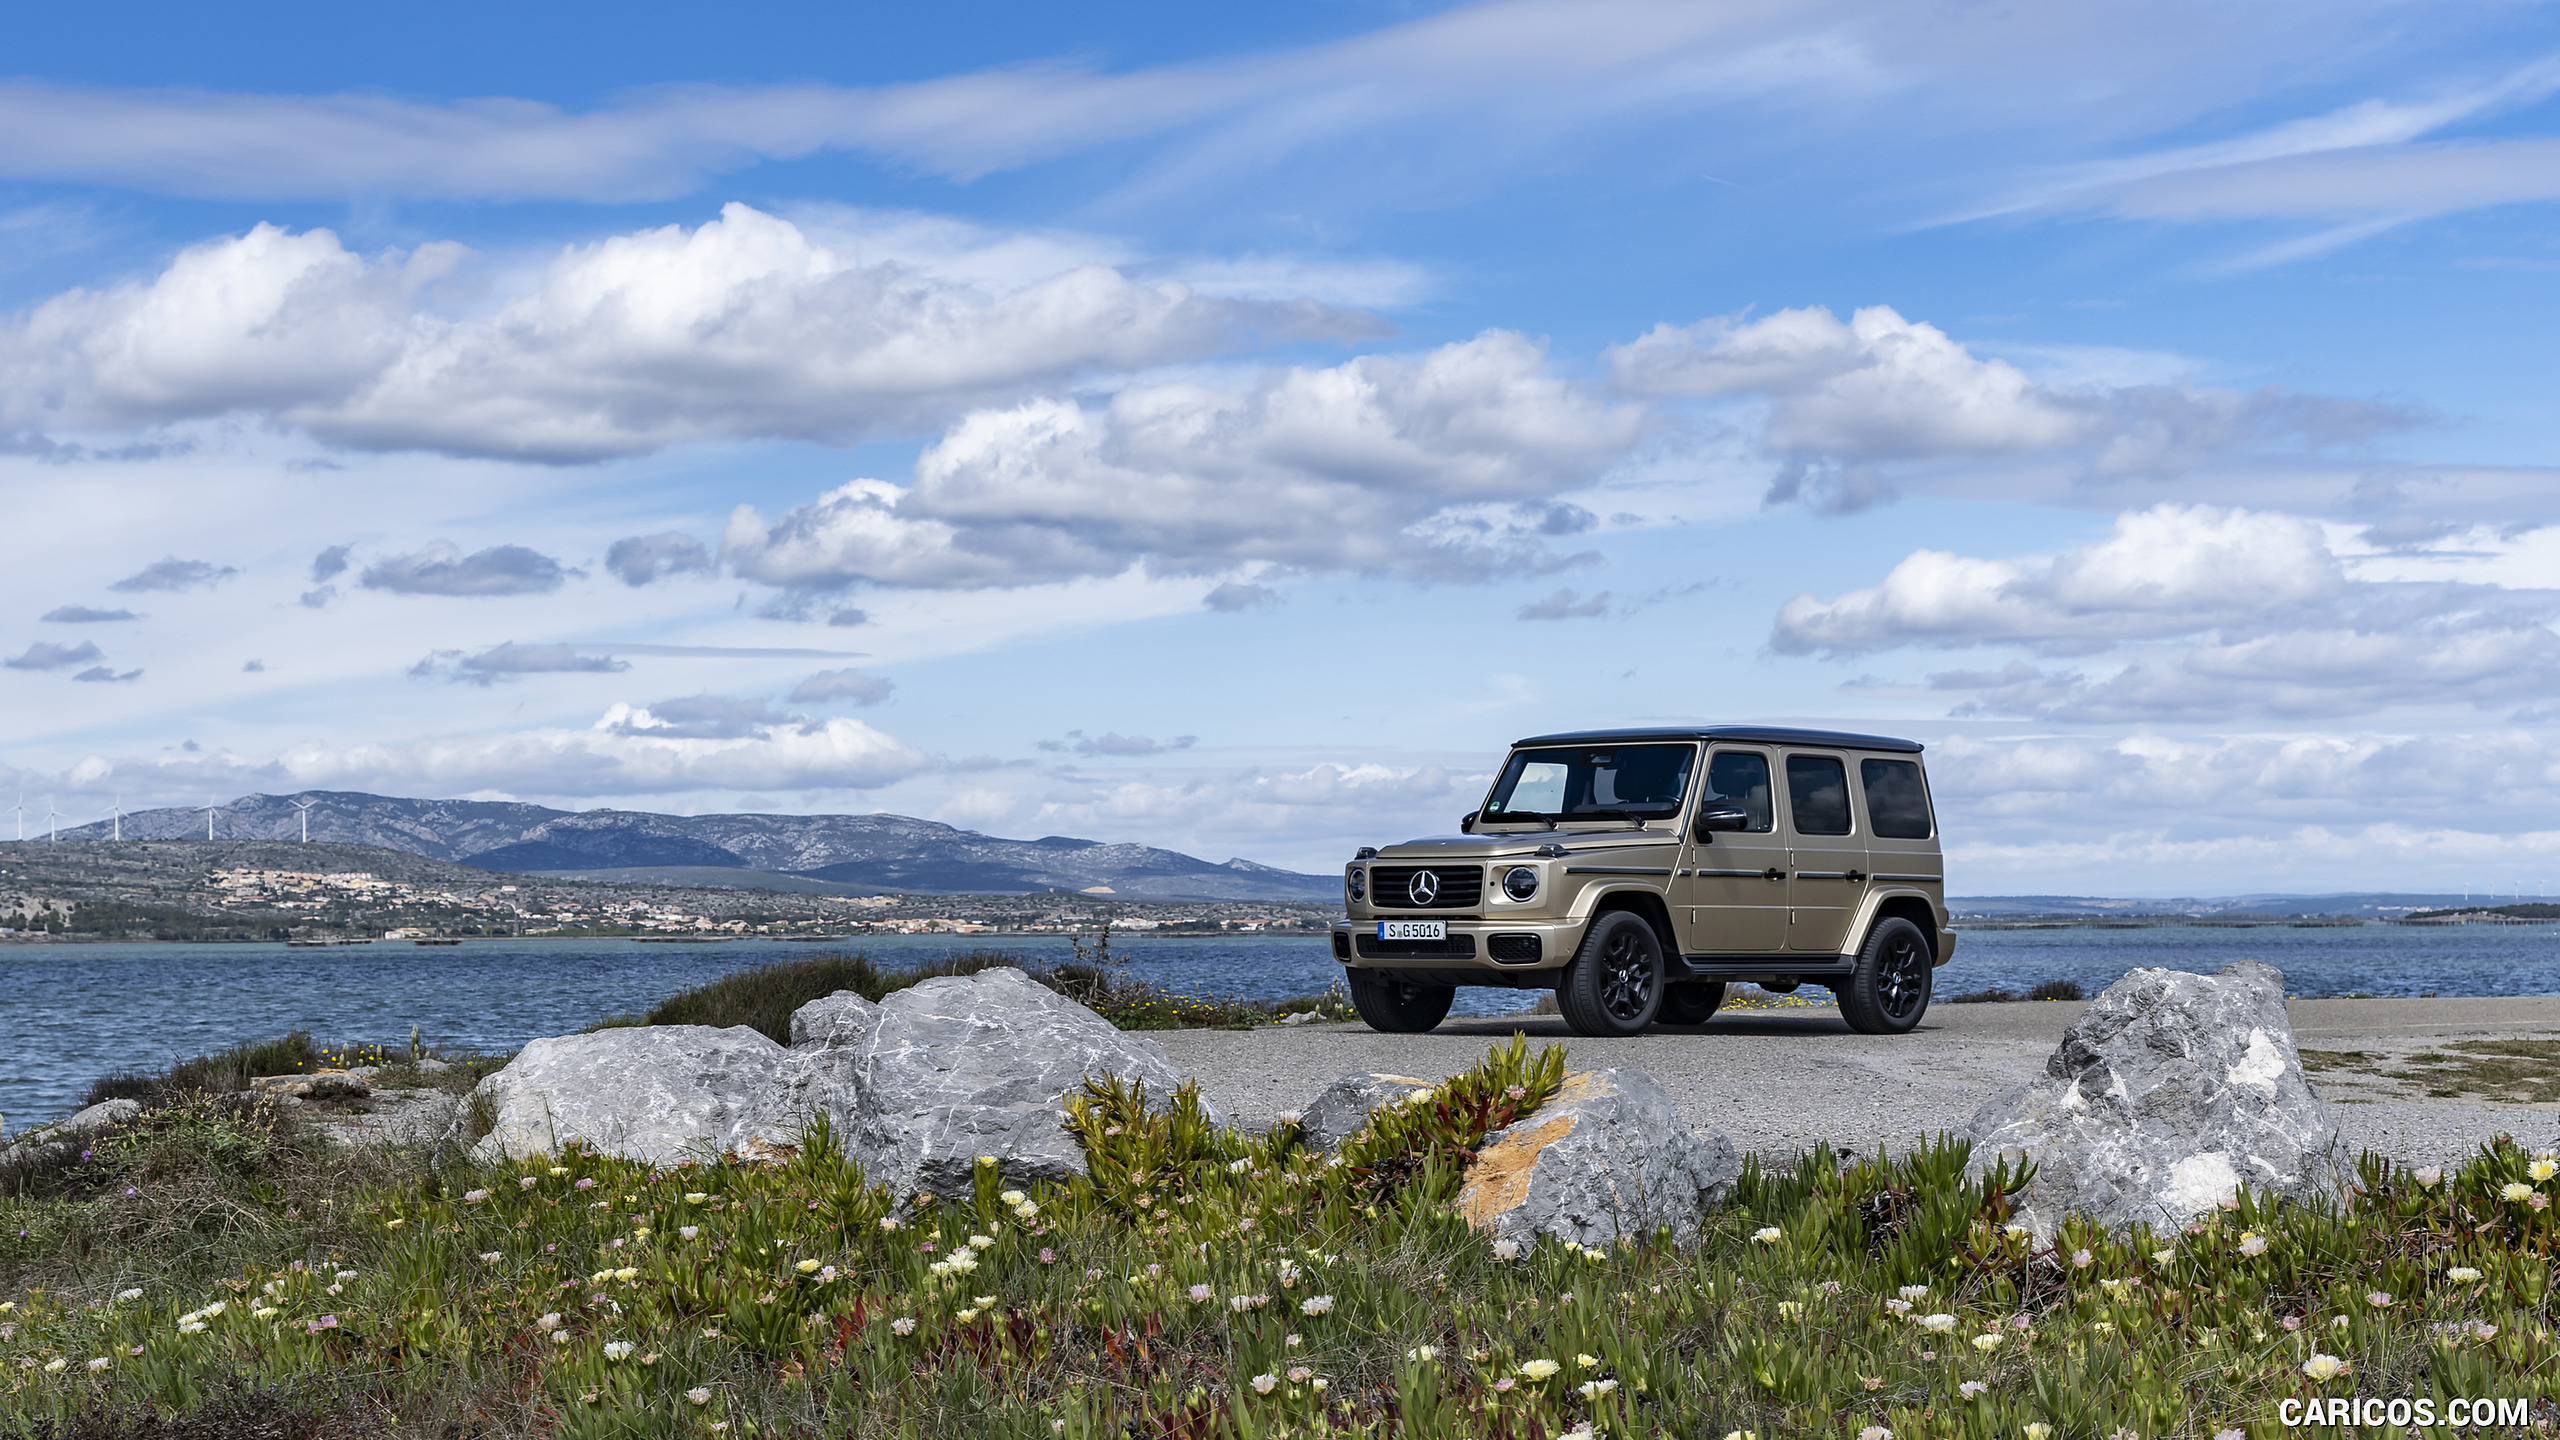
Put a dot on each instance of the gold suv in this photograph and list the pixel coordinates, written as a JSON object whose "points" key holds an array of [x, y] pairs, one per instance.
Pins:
{"points": [[1638, 872]]}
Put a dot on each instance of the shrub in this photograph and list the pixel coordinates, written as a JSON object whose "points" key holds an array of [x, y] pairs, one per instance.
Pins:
{"points": [[223, 1072], [1993, 996], [2057, 990]]}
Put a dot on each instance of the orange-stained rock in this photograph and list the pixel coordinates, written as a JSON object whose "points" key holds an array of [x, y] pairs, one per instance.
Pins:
{"points": [[1607, 1157]]}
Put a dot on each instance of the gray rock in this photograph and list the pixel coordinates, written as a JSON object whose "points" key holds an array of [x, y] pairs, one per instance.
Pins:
{"points": [[2166, 1094], [962, 1066], [840, 1021], [318, 1085], [61, 1139], [655, 1093], [1346, 1104], [1607, 1157], [429, 1065]]}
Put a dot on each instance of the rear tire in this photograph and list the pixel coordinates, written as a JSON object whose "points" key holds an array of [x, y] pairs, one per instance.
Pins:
{"points": [[1396, 1007], [1692, 1002], [1614, 985], [1889, 991]]}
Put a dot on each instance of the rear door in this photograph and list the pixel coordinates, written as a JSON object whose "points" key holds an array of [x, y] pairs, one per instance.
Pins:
{"points": [[1902, 834], [1731, 892], [1828, 856]]}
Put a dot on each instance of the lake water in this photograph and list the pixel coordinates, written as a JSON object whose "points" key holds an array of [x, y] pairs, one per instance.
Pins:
{"points": [[74, 1012]]}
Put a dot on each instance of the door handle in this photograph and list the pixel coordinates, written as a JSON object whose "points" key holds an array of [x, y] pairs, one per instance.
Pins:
{"points": [[1773, 873], [1857, 875]]}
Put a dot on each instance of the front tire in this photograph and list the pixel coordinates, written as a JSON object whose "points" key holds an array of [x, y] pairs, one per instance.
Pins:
{"points": [[1614, 986], [1889, 991], [1396, 1007], [1692, 1002]]}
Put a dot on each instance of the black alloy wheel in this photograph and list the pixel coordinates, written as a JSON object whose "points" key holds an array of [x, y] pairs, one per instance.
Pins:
{"points": [[1398, 1007], [1889, 991], [1614, 986], [1692, 1002]]}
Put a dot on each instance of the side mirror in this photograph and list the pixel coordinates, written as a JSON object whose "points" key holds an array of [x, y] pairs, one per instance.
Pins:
{"points": [[1720, 818], [1467, 823]]}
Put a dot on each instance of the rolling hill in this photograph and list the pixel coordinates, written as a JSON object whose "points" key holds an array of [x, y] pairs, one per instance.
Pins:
{"points": [[883, 852]]}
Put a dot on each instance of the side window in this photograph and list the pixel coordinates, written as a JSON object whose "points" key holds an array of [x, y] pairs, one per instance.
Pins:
{"points": [[1741, 779], [1818, 794], [1897, 802]]}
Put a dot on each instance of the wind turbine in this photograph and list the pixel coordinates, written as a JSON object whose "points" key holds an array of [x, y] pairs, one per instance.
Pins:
{"points": [[305, 807], [22, 818], [209, 808], [115, 812], [50, 815]]}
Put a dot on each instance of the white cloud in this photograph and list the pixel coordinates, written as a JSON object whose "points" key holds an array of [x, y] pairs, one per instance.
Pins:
{"points": [[442, 569], [632, 750], [2228, 612], [1380, 465], [742, 327], [850, 685], [1881, 390]]}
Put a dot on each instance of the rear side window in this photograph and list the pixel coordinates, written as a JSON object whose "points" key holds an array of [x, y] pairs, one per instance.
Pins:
{"points": [[1818, 794], [1897, 803]]}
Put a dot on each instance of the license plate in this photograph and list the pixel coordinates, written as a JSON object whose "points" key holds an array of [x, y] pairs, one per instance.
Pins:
{"points": [[1413, 929]]}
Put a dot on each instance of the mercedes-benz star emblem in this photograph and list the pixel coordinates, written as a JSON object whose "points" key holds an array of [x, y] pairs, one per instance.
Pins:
{"points": [[1424, 887]]}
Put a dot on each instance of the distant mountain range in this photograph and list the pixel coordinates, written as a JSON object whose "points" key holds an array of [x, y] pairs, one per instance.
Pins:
{"points": [[851, 852], [2370, 905]]}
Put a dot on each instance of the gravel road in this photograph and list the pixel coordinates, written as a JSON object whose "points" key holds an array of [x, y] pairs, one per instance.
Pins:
{"points": [[1779, 1080]]}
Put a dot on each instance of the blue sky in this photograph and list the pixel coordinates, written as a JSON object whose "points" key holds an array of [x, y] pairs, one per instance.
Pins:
{"points": [[1227, 428]]}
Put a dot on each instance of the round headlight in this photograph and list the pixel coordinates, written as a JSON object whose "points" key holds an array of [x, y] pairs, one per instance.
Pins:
{"points": [[1520, 882], [1357, 883]]}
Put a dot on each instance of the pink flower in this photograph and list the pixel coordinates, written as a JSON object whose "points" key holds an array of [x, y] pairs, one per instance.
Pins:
{"points": [[588, 1183], [1048, 1256], [325, 1322]]}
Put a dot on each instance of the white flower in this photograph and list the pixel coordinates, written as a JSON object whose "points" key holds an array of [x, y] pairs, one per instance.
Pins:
{"points": [[98, 1364], [1972, 1389], [888, 1222], [2543, 1169], [807, 1267], [1200, 1294], [1875, 1432], [2378, 1299], [548, 1322], [2516, 1190], [2163, 1257], [1767, 1234], [2081, 1258], [2038, 1430], [264, 1312], [689, 1232], [492, 1257], [1538, 1369], [1011, 1197], [903, 1325], [1265, 1383], [2323, 1367], [128, 1294], [698, 1395], [346, 1275], [1898, 1307], [1594, 1389], [191, 1327], [56, 1365], [982, 1242], [1506, 1249], [2429, 1178], [474, 1197], [1316, 1305], [1913, 1292], [1423, 1354], [1987, 1341], [1939, 1324], [2462, 1274], [618, 1349], [2015, 1232], [2253, 1243]]}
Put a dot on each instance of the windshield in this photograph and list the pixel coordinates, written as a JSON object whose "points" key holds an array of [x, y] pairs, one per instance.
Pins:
{"points": [[1625, 782]]}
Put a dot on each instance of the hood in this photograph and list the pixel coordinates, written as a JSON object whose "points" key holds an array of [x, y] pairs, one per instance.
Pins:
{"points": [[1522, 843]]}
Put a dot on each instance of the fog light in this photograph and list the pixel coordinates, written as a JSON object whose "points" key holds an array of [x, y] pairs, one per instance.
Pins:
{"points": [[1520, 882]]}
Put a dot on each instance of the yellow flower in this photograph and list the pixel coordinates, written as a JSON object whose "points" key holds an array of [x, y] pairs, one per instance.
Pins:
{"points": [[1587, 1362], [808, 1267], [2543, 1169], [1987, 1341], [2324, 1367], [2515, 1190], [1539, 1369]]}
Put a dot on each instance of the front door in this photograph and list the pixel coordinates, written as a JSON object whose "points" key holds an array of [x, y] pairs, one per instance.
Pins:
{"points": [[1828, 876], [1731, 891]]}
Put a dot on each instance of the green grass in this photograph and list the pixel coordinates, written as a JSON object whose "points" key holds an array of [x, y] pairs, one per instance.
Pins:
{"points": [[1824, 1299]]}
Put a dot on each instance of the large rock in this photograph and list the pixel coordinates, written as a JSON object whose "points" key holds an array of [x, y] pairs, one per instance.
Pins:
{"points": [[1608, 1156], [2166, 1094], [654, 1093], [956, 1067], [60, 1140], [1345, 1106]]}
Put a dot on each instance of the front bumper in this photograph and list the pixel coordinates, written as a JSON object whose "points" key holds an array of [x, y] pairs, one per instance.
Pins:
{"points": [[1490, 946]]}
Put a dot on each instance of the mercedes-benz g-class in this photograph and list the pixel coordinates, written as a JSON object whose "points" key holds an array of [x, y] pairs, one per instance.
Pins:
{"points": [[1637, 873]]}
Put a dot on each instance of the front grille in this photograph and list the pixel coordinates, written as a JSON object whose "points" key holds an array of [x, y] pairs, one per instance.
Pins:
{"points": [[1456, 947], [1341, 946], [1514, 948], [1458, 887]]}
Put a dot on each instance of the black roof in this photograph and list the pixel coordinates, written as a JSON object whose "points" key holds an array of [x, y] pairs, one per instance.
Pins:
{"points": [[1765, 734]]}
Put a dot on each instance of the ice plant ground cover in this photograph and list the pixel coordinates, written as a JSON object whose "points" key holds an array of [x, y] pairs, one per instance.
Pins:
{"points": [[1210, 1282]]}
